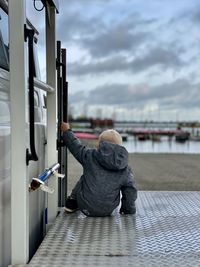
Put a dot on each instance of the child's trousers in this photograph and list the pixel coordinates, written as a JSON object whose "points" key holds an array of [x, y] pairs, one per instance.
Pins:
{"points": [[77, 188]]}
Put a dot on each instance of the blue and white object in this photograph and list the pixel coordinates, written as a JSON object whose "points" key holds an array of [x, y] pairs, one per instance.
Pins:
{"points": [[40, 180]]}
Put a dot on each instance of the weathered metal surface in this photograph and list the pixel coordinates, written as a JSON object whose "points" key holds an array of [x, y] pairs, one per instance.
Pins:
{"points": [[164, 232]]}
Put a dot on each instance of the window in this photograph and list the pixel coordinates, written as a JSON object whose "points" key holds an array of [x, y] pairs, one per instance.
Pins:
{"points": [[4, 108], [36, 99], [4, 43]]}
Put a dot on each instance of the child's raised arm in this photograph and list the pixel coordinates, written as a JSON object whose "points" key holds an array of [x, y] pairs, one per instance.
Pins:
{"points": [[73, 144]]}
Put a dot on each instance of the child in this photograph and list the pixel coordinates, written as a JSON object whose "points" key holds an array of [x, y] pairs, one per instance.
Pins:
{"points": [[105, 174]]}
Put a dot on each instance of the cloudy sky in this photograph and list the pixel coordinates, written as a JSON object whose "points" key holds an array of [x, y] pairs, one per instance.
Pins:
{"points": [[129, 59]]}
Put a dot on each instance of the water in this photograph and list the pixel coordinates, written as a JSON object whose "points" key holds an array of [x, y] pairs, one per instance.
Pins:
{"points": [[164, 146]]}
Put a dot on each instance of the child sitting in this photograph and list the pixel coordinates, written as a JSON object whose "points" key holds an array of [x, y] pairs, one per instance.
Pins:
{"points": [[105, 174]]}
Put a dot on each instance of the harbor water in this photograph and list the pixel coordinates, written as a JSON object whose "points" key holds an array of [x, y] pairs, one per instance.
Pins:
{"points": [[163, 146]]}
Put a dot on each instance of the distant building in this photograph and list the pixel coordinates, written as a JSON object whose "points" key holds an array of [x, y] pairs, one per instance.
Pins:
{"points": [[102, 123]]}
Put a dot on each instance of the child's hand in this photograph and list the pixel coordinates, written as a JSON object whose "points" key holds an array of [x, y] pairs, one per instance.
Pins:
{"points": [[64, 126]]}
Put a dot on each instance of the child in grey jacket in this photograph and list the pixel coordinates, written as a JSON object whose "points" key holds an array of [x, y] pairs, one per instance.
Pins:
{"points": [[105, 174]]}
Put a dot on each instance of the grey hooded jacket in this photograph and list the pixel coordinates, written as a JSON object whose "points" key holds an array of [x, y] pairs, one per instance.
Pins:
{"points": [[105, 174]]}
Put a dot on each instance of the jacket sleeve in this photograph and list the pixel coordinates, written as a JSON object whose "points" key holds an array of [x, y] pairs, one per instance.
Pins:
{"points": [[74, 145], [129, 194]]}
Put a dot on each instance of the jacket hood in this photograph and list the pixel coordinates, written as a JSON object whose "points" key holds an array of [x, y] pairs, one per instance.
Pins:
{"points": [[112, 156]]}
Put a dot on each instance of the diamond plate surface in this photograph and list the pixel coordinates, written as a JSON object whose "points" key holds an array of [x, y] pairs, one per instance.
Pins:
{"points": [[165, 232]]}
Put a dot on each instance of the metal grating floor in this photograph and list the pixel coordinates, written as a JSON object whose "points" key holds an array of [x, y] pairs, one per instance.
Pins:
{"points": [[164, 232]]}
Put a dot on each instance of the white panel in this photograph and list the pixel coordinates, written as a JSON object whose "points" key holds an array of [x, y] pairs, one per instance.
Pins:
{"points": [[18, 85], [51, 111]]}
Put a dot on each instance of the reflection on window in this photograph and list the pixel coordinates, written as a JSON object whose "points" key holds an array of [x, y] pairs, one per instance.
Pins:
{"points": [[36, 99], [4, 112]]}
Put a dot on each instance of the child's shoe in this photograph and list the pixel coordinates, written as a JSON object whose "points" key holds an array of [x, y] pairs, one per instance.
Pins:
{"points": [[71, 205]]}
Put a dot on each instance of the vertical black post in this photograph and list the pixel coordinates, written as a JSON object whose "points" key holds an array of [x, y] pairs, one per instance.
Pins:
{"points": [[65, 118], [62, 95], [65, 86], [59, 106], [59, 97]]}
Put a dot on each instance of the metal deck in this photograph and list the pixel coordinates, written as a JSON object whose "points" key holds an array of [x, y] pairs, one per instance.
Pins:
{"points": [[164, 232]]}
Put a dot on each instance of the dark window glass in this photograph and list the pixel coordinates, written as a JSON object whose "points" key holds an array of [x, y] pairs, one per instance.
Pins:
{"points": [[4, 44]]}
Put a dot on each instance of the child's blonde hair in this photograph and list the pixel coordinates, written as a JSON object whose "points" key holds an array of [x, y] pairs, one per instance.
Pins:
{"points": [[111, 136]]}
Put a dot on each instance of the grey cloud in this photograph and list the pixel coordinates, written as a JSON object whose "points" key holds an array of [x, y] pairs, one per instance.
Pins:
{"points": [[165, 58], [108, 65], [178, 94], [110, 94], [119, 37], [113, 41], [103, 37], [197, 17], [81, 2], [158, 56], [171, 89], [77, 97], [74, 25], [189, 15]]}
